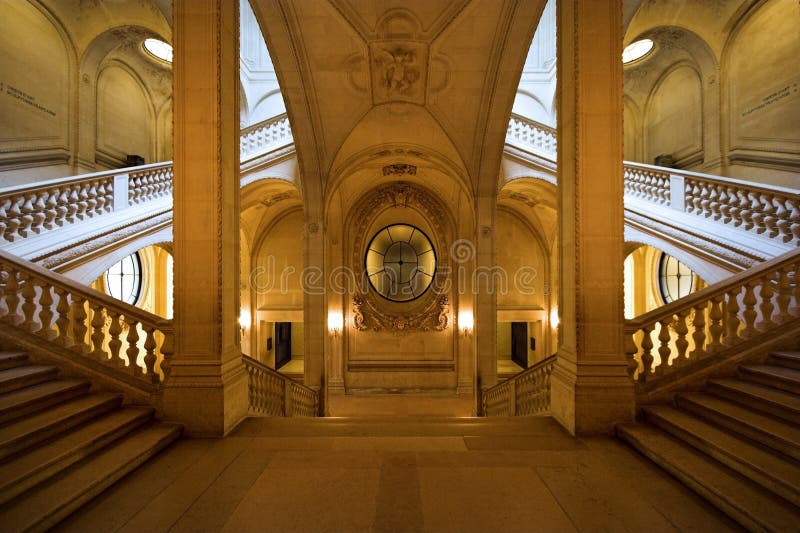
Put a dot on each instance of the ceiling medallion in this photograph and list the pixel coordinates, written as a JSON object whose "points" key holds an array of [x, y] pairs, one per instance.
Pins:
{"points": [[398, 71]]}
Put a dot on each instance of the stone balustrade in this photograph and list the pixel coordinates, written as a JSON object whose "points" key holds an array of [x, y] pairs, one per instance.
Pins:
{"points": [[273, 394], [265, 136], [527, 393], [29, 210], [750, 307], [531, 134], [93, 327]]}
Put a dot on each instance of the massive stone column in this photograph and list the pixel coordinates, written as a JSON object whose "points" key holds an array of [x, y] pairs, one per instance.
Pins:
{"points": [[207, 387], [591, 390]]}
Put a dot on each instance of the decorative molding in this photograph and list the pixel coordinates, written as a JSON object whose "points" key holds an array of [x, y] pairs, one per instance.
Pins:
{"points": [[435, 317], [399, 169], [398, 71]]}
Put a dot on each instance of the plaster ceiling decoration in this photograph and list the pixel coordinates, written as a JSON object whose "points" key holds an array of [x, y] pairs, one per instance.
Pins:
{"points": [[455, 61]]}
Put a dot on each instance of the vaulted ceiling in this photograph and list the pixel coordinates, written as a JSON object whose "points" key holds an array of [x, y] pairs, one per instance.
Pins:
{"points": [[433, 75]]}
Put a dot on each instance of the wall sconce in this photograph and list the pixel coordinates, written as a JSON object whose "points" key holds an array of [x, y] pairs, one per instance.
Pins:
{"points": [[465, 322], [335, 322], [244, 320], [554, 321]]}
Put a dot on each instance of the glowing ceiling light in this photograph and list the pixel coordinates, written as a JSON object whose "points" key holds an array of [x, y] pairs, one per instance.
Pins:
{"points": [[158, 49], [637, 50]]}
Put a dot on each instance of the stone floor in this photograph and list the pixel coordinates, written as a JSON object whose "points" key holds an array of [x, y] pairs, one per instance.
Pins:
{"points": [[398, 475]]}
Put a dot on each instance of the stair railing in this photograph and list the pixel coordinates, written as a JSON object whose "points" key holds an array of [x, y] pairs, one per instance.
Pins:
{"points": [[31, 209], [264, 137], [273, 394], [750, 308], [525, 393], [94, 329]]}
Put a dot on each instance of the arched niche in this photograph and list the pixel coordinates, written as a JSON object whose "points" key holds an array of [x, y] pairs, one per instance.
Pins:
{"points": [[674, 117], [125, 124], [632, 140], [37, 62], [762, 82]]}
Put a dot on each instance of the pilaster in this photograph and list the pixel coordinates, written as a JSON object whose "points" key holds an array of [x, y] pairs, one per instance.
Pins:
{"points": [[207, 386], [484, 285], [590, 388]]}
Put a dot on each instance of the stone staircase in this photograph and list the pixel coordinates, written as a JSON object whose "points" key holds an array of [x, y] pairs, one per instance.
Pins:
{"points": [[61, 445], [737, 443]]}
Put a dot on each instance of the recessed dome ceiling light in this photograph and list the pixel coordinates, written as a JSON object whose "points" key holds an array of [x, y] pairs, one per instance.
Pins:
{"points": [[158, 49], [637, 50]]}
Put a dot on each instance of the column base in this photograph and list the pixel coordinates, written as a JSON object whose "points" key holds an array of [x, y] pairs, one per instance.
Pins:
{"points": [[209, 399], [593, 399]]}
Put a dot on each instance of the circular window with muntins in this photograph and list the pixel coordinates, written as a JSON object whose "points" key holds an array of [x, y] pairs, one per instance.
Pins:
{"points": [[400, 262]]}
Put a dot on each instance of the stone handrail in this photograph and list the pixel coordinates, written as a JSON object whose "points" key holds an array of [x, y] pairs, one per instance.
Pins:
{"points": [[531, 134], [93, 327], [32, 209], [273, 394], [526, 393], [753, 306], [767, 210], [265, 136]]}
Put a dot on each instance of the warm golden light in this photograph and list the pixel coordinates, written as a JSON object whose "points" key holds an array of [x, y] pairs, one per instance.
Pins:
{"points": [[465, 322], [554, 321], [244, 319], [335, 322]]}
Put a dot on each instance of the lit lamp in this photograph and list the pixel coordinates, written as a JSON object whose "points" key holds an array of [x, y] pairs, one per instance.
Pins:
{"points": [[244, 319], [335, 322], [465, 322], [554, 318]]}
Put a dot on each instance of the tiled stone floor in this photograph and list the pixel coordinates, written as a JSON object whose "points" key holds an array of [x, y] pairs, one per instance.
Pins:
{"points": [[398, 475]]}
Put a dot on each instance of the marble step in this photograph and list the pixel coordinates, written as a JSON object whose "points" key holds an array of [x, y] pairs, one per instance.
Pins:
{"points": [[778, 403], [22, 434], [16, 378], [12, 360], [43, 462], [786, 359], [738, 497], [43, 507], [770, 470], [780, 377], [766, 430], [31, 399]]}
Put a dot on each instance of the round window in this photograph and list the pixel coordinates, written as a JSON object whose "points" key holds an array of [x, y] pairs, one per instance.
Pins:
{"points": [[675, 279], [400, 262], [124, 279]]}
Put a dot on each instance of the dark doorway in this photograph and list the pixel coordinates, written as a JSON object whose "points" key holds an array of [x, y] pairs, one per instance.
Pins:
{"points": [[283, 343], [519, 343]]}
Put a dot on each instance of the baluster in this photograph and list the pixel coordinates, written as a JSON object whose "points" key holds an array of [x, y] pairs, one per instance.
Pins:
{"points": [[732, 317], [758, 213], [767, 213], [724, 207], [784, 295], [79, 327], [705, 201], [91, 198], [51, 209], [37, 225], [114, 345], [793, 232], [72, 203], [775, 220], [748, 204], [62, 209], [715, 326], [795, 270], [29, 303], [82, 201], [647, 355], [766, 307], [26, 208], [12, 293], [98, 334], [735, 207], [62, 317], [749, 312], [100, 199], [167, 349], [663, 349], [46, 311], [133, 346], [714, 203], [5, 203], [681, 343], [630, 353], [150, 354], [699, 333]]}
